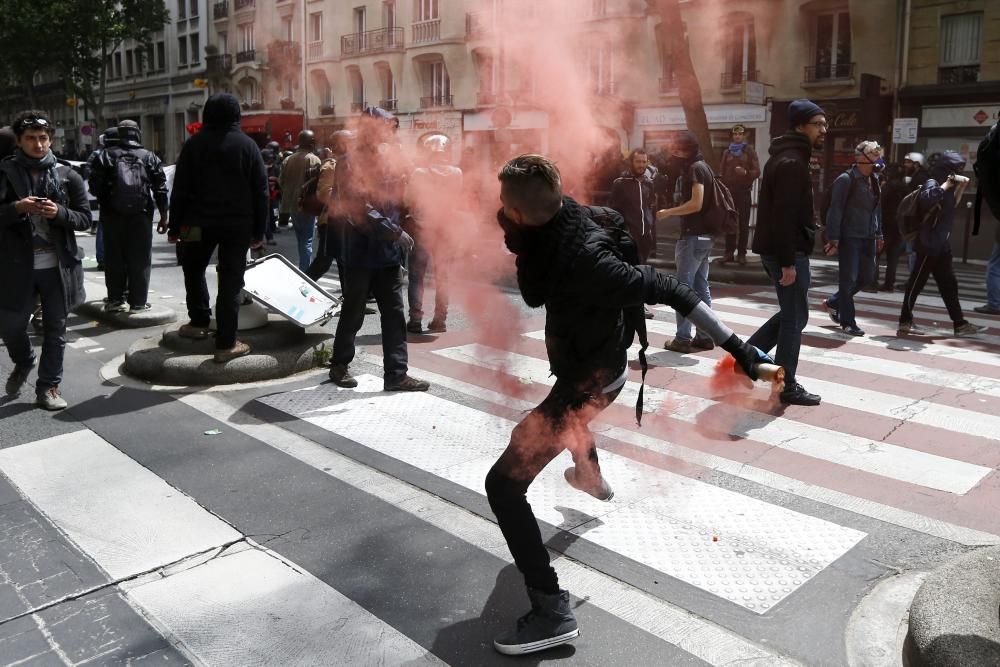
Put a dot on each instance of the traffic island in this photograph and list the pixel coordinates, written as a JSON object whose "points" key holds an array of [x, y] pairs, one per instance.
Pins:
{"points": [[278, 350], [955, 615], [155, 315]]}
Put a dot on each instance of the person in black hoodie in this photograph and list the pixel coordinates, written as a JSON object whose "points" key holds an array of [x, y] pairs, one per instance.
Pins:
{"points": [[573, 267], [784, 239], [219, 200]]}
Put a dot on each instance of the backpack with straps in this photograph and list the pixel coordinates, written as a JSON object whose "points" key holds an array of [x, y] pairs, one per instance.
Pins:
{"points": [[129, 191], [987, 170], [909, 219], [721, 217]]}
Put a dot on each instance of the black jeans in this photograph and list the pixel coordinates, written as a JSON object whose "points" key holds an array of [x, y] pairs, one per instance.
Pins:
{"points": [[327, 252], [233, 245], [738, 242], [784, 329], [387, 285], [892, 250], [560, 422], [128, 247], [13, 329], [941, 268], [419, 260]]}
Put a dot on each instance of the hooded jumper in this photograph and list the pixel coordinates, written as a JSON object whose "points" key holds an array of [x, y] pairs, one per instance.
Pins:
{"points": [[935, 238], [785, 215], [220, 179]]}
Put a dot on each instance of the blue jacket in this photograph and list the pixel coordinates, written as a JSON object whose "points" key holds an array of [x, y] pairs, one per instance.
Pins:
{"points": [[935, 238], [859, 218]]}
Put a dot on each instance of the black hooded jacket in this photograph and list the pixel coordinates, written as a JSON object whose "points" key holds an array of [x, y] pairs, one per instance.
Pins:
{"points": [[221, 180], [785, 214], [104, 171]]}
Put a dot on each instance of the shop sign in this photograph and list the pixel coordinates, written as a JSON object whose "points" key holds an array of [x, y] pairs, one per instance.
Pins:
{"points": [[431, 121], [516, 120], [719, 114], [966, 116], [844, 120], [904, 130]]}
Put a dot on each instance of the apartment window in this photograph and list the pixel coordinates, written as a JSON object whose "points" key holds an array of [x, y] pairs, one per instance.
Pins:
{"points": [[161, 56], [249, 90], [740, 53], [195, 39], [426, 10], [961, 46], [117, 60], [601, 64], [286, 28], [833, 45], [223, 42], [246, 37], [389, 14], [387, 84], [182, 50], [357, 89], [129, 63], [181, 9], [193, 12], [316, 27], [664, 43], [437, 85]]}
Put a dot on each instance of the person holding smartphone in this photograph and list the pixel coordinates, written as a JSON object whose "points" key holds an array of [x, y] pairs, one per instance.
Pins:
{"points": [[42, 204]]}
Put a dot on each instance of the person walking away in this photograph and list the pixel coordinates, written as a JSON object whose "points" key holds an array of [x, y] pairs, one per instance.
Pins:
{"points": [[936, 205], [854, 232], [373, 250], [988, 189], [296, 168], [892, 194], [329, 227], [129, 181], [632, 195], [572, 267], [42, 204], [784, 239], [430, 200], [219, 202], [696, 184], [738, 169]]}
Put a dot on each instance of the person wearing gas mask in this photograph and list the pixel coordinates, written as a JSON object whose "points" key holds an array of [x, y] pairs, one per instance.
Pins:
{"points": [[854, 232]]}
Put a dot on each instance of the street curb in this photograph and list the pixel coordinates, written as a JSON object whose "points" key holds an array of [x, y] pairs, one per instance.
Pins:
{"points": [[156, 315], [279, 350], [954, 618]]}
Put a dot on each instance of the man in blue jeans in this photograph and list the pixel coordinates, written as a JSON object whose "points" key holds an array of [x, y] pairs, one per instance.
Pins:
{"points": [[696, 188], [784, 238], [854, 231], [296, 169]]}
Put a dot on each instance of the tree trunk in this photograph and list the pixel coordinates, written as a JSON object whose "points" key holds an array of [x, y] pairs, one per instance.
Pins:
{"points": [[688, 88]]}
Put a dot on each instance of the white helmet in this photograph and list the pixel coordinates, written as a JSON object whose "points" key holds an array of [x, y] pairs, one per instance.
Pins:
{"points": [[436, 143], [917, 158]]}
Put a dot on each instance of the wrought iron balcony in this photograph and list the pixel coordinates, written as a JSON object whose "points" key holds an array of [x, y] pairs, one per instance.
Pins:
{"points": [[243, 4], [436, 101], [315, 49], [426, 31], [373, 41], [246, 56], [358, 107], [388, 105], [735, 79], [963, 74], [219, 64], [486, 98], [327, 110], [478, 25], [284, 53], [818, 73], [220, 10]]}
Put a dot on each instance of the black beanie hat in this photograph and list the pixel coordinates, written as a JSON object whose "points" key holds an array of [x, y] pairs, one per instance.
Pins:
{"points": [[800, 111]]}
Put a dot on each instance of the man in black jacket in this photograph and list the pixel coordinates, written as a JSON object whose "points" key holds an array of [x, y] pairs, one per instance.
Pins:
{"points": [[572, 267], [42, 204], [128, 181], [219, 200], [784, 239]]}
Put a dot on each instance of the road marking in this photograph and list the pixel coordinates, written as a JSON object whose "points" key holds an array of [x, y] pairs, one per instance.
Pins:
{"points": [[879, 458], [699, 637], [81, 343], [94, 349], [928, 298]]}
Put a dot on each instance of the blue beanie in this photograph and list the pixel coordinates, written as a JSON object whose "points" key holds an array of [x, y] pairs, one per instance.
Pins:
{"points": [[800, 111]]}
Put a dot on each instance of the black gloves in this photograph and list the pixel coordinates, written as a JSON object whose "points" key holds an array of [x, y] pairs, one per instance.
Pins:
{"points": [[746, 355]]}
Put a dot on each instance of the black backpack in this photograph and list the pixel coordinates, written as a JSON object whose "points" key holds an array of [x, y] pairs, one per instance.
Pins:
{"points": [[721, 217], [129, 191], [908, 216], [987, 170]]}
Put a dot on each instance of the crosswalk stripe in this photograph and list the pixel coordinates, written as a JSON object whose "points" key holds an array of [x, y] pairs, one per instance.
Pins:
{"points": [[213, 592], [879, 458], [925, 299], [862, 506], [763, 552], [699, 637]]}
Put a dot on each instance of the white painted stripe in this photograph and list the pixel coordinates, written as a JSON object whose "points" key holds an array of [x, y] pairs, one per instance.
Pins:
{"points": [[94, 349], [81, 343], [862, 506], [659, 518], [699, 637], [251, 607], [879, 403], [123, 516], [921, 345], [929, 297], [329, 281], [879, 458]]}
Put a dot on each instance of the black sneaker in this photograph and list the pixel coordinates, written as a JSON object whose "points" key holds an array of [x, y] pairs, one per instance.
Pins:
{"points": [[969, 329], [406, 383], [342, 377], [414, 327], [437, 326], [852, 330], [987, 310], [18, 378], [833, 313], [796, 394], [550, 623]]}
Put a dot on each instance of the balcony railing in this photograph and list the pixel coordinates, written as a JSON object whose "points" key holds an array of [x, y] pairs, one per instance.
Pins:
{"points": [[668, 84], [284, 53], [478, 24], [963, 74], [734, 79], [220, 10], [316, 50], [327, 110], [242, 4], [373, 41], [435, 101], [426, 31], [218, 64], [358, 107], [246, 56], [388, 105], [829, 72], [486, 98]]}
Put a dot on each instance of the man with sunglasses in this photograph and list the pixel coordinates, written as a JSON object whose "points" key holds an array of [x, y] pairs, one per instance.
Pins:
{"points": [[42, 204], [854, 232]]}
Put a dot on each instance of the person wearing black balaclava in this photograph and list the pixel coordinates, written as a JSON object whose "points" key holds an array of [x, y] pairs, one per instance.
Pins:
{"points": [[43, 203]]}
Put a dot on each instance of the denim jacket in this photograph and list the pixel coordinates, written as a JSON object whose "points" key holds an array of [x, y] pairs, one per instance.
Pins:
{"points": [[859, 218]]}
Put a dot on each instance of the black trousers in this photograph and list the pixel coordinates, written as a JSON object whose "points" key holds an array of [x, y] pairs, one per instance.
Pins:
{"points": [[560, 422], [939, 266], [738, 242], [128, 247], [327, 252], [387, 285], [232, 245], [893, 251]]}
